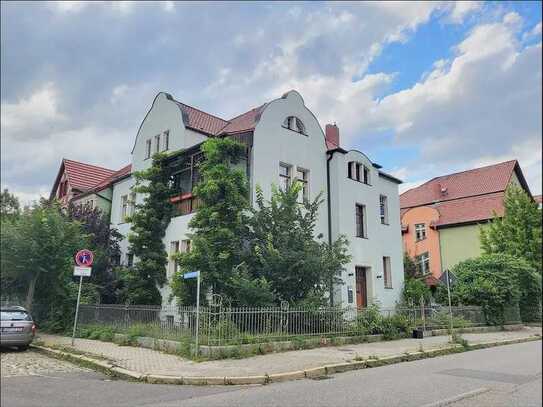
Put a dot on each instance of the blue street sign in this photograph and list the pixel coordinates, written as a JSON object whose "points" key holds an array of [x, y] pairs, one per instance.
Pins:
{"points": [[192, 274]]}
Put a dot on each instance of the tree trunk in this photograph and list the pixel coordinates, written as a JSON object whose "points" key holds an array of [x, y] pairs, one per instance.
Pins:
{"points": [[30, 292]]}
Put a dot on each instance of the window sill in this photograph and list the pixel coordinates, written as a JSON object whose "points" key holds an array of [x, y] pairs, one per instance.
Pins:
{"points": [[362, 237], [295, 131], [389, 288], [385, 224], [360, 182], [419, 240]]}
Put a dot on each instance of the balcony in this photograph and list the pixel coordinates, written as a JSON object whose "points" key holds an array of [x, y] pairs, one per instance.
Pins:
{"points": [[185, 203]]}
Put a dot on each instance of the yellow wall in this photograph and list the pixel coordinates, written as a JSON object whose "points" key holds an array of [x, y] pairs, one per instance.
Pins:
{"points": [[459, 243]]}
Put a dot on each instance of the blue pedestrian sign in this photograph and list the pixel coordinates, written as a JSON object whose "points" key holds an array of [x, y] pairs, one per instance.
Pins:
{"points": [[192, 274]]}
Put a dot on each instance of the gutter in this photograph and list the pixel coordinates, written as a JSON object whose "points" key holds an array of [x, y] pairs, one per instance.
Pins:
{"points": [[328, 199]]}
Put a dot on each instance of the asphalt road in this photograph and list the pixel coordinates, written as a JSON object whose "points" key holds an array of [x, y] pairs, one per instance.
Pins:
{"points": [[502, 376]]}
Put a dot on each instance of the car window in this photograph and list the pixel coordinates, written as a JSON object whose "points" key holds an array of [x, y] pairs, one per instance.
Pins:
{"points": [[15, 316]]}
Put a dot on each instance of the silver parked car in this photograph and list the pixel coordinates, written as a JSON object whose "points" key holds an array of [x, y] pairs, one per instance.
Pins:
{"points": [[16, 327]]}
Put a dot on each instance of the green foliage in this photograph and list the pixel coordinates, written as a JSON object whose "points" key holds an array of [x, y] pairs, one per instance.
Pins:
{"points": [[284, 250], [9, 205], [441, 319], [149, 223], [415, 289], [219, 225], [372, 322], [493, 282], [410, 267], [104, 243], [518, 232]]}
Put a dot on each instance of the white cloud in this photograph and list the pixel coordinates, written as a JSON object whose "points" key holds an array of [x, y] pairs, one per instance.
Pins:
{"points": [[459, 10], [38, 110]]}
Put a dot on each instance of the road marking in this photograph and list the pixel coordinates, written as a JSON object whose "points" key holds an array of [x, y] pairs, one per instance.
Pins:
{"points": [[454, 399]]}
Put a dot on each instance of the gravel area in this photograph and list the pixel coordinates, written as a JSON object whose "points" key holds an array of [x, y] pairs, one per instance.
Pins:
{"points": [[31, 363]]}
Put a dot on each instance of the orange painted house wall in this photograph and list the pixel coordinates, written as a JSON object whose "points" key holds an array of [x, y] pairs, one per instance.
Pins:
{"points": [[426, 215]]}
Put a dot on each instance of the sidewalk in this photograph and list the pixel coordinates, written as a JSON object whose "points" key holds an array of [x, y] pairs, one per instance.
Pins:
{"points": [[147, 361]]}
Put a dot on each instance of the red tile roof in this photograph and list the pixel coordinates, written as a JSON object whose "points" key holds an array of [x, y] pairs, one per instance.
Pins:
{"points": [[115, 176], [479, 181], [467, 196], [470, 209], [244, 122], [201, 121], [83, 176]]}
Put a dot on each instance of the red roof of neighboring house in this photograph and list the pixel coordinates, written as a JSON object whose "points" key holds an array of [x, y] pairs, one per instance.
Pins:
{"points": [[83, 176], [467, 196], [115, 176], [479, 181], [470, 209], [538, 199]]}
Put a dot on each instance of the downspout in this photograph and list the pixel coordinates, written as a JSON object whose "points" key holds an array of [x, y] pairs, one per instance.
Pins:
{"points": [[328, 199]]}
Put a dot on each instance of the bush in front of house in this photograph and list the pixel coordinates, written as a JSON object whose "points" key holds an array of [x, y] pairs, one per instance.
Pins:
{"points": [[372, 322]]}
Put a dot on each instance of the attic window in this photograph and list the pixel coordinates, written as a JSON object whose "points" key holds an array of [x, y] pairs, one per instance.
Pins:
{"points": [[294, 124]]}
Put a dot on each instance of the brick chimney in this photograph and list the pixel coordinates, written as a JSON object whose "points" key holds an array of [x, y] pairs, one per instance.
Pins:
{"points": [[332, 134]]}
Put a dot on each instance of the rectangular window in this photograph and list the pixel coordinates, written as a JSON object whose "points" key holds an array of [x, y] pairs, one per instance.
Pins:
{"points": [[423, 262], [129, 259], [132, 204], [124, 208], [185, 246], [174, 249], [284, 176], [387, 276], [361, 220], [383, 209], [350, 167], [357, 171], [157, 143], [420, 231], [166, 140], [148, 149], [366, 175], [303, 177]]}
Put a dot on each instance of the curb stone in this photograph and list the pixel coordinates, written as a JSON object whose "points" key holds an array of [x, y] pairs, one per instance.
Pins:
{"points": [[322, 371]]}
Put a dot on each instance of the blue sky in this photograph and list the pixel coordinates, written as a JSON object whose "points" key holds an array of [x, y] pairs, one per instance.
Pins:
{"points": [[424, 88]]}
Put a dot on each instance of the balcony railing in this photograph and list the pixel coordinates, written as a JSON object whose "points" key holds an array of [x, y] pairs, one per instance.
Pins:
{"points": [[185, 203]]}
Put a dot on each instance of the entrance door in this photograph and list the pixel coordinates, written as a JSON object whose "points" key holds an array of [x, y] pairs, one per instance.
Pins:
{"points": [[361, 288]]}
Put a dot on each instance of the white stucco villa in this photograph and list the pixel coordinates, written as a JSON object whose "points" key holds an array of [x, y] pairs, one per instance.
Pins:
{"points": [[284, 142]]}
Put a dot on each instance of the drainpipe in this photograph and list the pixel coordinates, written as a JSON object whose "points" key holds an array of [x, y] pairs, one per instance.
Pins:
{"points": [[330, 155]]}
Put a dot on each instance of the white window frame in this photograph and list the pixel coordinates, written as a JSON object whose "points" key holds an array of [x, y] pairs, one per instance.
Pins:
{"points": [[288, 177], [423, 261], [148, 144], [364, 234], [387, 272], [304, 180], [157, 143], [124, 208], [420, 231], [166, 141], [383, 209]]}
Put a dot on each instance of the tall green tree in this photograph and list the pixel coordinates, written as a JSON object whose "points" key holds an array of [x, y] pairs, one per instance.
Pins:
{"points": [[518, 232], [285, 250], [9, 205], [149, 223], [37, 251], [220, 224], [104, 242]]}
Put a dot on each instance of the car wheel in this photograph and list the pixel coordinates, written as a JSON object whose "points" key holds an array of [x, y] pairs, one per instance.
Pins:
{"points": [[23, 347]]}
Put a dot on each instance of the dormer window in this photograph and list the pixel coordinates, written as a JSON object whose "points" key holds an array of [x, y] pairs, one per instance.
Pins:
{"points": [[294, 124], [358, 172]]}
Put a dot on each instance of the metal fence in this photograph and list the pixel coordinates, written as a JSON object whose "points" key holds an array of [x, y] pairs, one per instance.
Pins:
{"points": [[225, 325]]}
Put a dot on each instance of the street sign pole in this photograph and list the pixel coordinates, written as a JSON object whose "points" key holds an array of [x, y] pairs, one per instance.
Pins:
{"points": [[450, 307], [186, 276], [77, 308], [197, 311]]}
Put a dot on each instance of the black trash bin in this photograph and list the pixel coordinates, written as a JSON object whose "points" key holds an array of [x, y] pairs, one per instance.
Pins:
{"points": [[418, 333]]}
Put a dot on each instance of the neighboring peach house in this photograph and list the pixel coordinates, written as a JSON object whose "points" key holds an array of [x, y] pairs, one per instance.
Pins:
{"points": [[539, 201], [441, 219]]}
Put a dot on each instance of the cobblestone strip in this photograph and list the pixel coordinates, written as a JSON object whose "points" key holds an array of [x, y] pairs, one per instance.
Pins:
{"points": [[31, 363]]}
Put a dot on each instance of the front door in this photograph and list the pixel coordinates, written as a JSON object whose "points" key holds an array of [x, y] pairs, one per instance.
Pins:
{"points": [[361, 289]]}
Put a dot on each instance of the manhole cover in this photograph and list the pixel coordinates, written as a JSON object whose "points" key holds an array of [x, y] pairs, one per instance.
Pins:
{"points": [[345, 350]]}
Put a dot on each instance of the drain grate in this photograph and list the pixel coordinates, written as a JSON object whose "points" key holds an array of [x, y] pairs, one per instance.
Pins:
{"points": [[321, 377]]}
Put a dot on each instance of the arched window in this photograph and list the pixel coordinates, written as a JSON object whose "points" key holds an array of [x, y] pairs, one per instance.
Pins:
{"points": [[295, 124]]}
